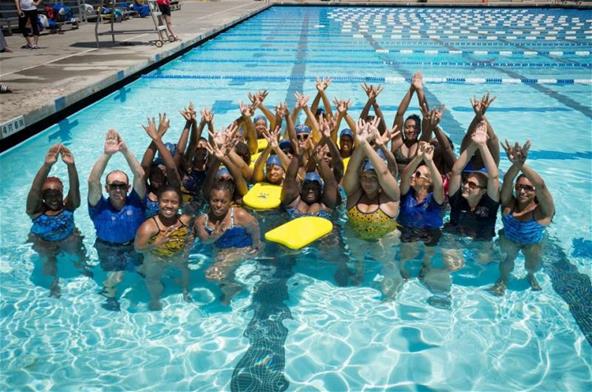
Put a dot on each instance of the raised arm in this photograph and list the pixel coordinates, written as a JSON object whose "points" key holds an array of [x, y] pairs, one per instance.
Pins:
{"points": [[517, 156], [290, 188], [250, 133], [35, 198], [437, 185], [330, 188], [409, 169], [137, 171], [480, 140], [445, 148], [387, 182], [403, 106], [544, 197], [72, 201], [112, 145], [155, 134]]}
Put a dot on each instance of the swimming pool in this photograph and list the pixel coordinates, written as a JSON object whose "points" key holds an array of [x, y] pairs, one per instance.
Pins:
{"points": [[293, 326]]}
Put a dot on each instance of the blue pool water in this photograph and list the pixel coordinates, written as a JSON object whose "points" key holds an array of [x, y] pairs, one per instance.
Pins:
{"points": [[292, 326]]}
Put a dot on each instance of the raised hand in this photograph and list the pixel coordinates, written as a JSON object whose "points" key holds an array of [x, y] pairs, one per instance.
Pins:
{"points": [[417, 81], [151, 130], [281, 110], [272, 137], [206, 115], [52, 154], [372, 91], [322, 84], [516, 154], [113, 142], [67, 156], [479, 137], [188, 113], [341, 105], [163, 124], [421, 149], [246, 110], [481, 106], [388, 135], [301, 100]]}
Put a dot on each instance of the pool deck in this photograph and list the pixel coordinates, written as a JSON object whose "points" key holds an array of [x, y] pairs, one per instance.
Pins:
{"points": [[70, 70]]}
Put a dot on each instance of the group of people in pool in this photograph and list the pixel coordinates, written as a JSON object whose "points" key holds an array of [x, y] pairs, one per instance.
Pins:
{"points": [[397, 182]]}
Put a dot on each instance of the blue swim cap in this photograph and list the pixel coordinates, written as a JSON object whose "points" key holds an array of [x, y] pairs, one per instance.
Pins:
{"points": [[346, 132], [301, 128], [273, 160], [313, 177], [285, 144], [471, 169], [222, 172], [172, 147], [367, 164], [260, 117]]}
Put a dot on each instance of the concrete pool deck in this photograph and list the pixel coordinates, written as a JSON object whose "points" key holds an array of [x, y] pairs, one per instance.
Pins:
{"points": [[69, 68]]}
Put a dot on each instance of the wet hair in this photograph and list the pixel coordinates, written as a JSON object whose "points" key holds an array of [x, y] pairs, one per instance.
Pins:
{"points": [[242, 150], [417, 121], [168, 188], [223, 186]]}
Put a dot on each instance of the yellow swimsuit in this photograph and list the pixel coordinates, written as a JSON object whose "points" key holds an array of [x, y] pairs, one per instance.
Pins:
{"points": [[371, 225], [176, 240]]}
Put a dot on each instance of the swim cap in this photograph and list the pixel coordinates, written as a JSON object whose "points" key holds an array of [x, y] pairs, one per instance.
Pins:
{"points": [[222, 172], [472, 169], [368, 165], [273, 160], [301, 128], [172, 147], [284, 144], [313, 177], [346, 132], [257, 118]]}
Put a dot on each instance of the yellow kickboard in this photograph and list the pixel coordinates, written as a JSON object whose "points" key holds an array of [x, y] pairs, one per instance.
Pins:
{"points": [[263, 196], [300, 232]]}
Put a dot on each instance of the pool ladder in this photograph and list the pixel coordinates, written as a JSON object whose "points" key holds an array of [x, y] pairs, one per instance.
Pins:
{"points": [[155, 14]]}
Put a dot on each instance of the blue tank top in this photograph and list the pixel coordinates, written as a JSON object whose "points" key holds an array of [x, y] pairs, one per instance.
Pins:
{"points": [[426, 214], [233, 237], [117, 227], [522, 232], [54, 227]]}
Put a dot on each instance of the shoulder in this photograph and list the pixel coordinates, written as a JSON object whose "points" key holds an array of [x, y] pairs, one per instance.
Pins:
{"points": [[185, 219], [148, 227], [242, 214]]}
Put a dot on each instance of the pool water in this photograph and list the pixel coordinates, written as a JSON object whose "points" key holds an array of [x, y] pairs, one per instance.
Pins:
{"points": [[296, 324]]}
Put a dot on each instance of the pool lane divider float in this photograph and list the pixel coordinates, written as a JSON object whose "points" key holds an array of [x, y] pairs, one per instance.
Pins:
{"points": [[300, 232], [375, 79]]}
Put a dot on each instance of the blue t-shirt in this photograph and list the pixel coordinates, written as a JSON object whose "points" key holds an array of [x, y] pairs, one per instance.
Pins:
{"points": [[426, 214], [115, 226]]}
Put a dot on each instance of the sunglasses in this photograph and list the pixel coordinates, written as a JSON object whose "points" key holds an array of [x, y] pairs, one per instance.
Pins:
{"points": [[473, 185], [302, 136], [118, 186], [524, 187]]}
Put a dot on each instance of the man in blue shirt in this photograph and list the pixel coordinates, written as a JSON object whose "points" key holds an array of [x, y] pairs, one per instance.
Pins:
{"points": [[116, 218]]}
